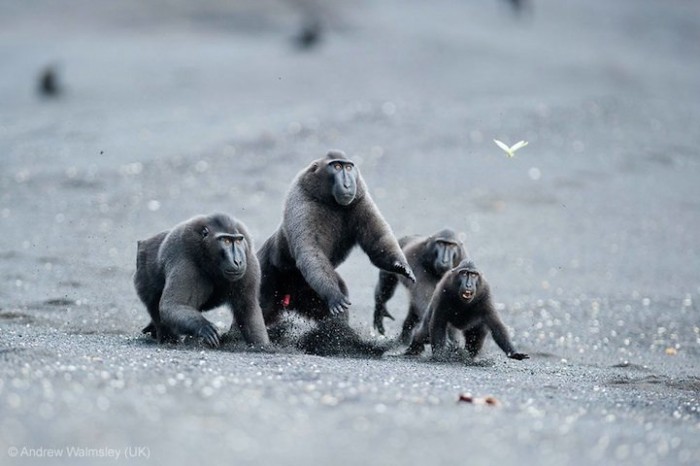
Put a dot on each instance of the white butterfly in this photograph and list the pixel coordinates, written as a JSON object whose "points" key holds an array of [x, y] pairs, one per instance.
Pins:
{"points": [[510, 150]]}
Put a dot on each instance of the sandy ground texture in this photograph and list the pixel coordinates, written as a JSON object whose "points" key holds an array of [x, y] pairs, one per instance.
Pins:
{"points": [[588, 236]]}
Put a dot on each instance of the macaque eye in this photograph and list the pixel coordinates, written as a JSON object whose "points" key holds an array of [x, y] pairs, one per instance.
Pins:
{"points": [[337, 166], [348, 167], [238, 240], [227, 241]]}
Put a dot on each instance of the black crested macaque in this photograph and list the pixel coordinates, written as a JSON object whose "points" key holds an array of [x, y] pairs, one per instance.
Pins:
{"points": [[198, 265], [309, 35], [461, 301], [521, 6], [48, 83], [326, 213], [430, 258]]}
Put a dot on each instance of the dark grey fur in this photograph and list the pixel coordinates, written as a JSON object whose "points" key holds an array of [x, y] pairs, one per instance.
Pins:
{"points": [[462, 301], [430, 258], [200, 264], [327, 213]]}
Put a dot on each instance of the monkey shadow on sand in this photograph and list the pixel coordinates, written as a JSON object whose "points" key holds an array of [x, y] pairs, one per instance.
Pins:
{"points": [[335, 337], [293, 334], [456, 356], [230, 341], [328, 337], [183, 343]]}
